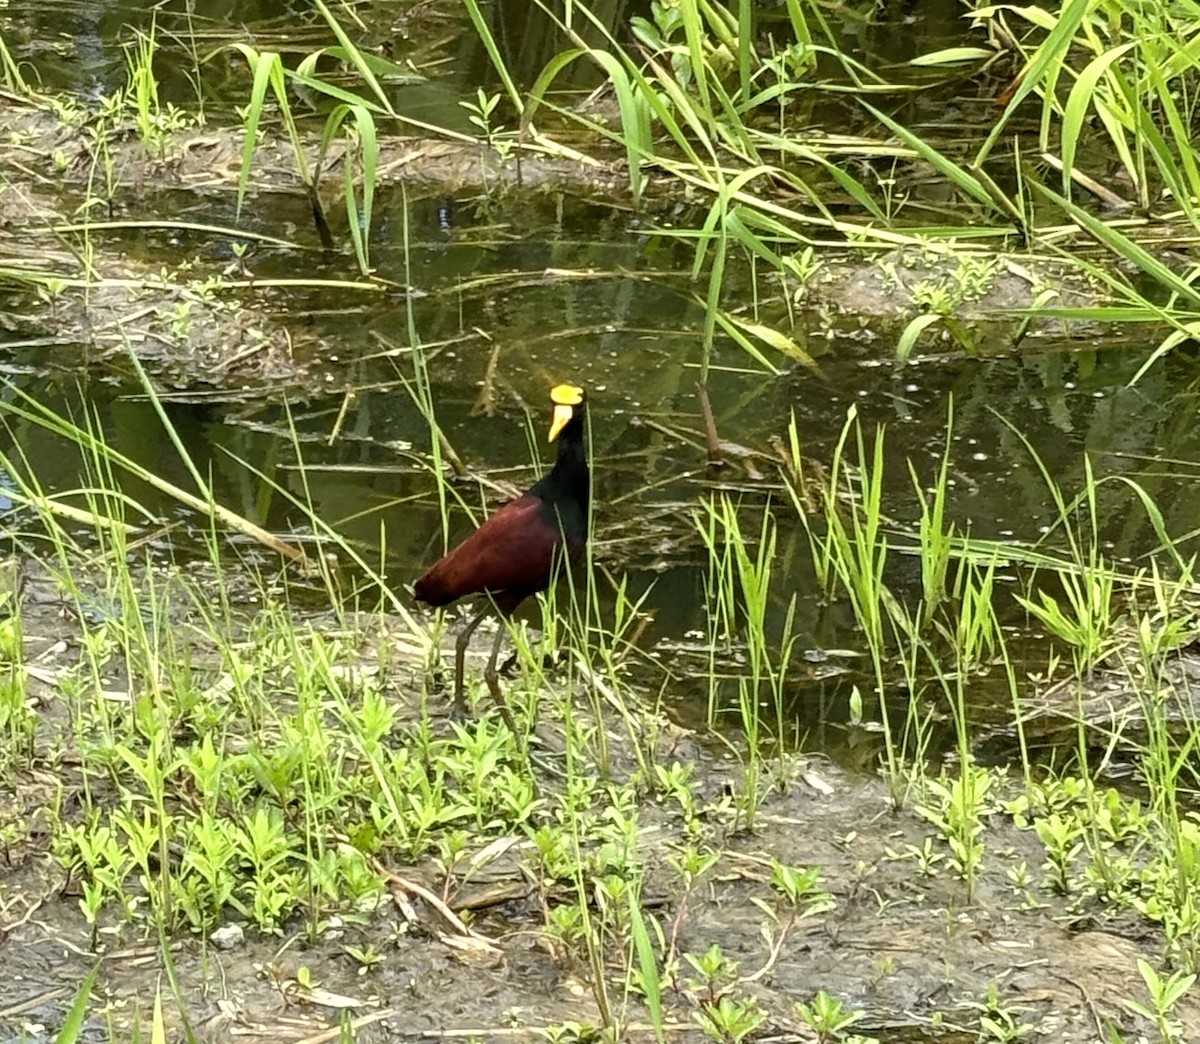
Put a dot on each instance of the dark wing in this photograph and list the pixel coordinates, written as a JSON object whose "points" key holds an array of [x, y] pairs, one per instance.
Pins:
{"points": [[510, 556]]}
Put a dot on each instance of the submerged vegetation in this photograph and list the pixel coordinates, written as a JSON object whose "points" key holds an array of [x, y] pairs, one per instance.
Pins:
{"points": [[223, 724]]}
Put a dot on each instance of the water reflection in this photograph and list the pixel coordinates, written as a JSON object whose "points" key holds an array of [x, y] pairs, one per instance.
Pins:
{"points": [[512, 297]]}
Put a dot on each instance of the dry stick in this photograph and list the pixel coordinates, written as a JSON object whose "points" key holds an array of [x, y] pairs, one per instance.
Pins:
{"points": [[715, 459], [227, 517], [161, 223], [684, 435], [23, 920], [240, 357], [505, 1032], [248, 353], [450, 454], [486, 402], [448, 915], [430, 349], [773, 957], [1105, 195], [72, 514], [34, 1002], [1087, 997], [355, 1024], [677, 923], [340, 421]]}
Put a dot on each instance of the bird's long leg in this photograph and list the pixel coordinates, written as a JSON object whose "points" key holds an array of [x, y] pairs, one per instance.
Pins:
{"points": [[460, 654], [493, 682]]}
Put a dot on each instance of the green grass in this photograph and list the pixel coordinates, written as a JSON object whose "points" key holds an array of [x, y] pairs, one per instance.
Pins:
{"points": [[256, 760], [717, 117], [268, 764]]}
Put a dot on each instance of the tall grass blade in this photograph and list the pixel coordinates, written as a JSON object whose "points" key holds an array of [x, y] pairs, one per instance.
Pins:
{"points": [[484, 32], [1042, 73], [651, 981], [355, 55], [1079, 101], [952, 172], [635, 129], [1125, 248], [72, 1027], [264, 65]]}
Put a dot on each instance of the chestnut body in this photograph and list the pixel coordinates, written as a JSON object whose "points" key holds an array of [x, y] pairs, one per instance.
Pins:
{"points": [[518, 551]]}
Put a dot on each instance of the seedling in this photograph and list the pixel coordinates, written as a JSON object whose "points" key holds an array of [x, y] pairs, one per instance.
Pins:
{"points": [[1061, 838], [957, 809], [717, 974], [365, 957], [1164, 995], [830, 1019], [997, 1021], [800, 889], [731, 1020], [480, 111]]}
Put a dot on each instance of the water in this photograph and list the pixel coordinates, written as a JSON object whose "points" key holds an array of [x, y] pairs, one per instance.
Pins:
{"points": [[516, 295]]}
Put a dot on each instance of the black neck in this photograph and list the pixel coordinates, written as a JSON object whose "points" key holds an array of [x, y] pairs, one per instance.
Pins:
{"points": [[569, 480]]}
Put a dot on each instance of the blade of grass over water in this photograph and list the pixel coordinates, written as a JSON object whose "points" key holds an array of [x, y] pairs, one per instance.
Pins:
{"points": [[484, 33], [422, 390], [1126, 248], [365, 145], [267, 68], [180, 226], [635, 132], [1078, 102], [981, 192], [1042, 71], [30, 410], [356, 57]]}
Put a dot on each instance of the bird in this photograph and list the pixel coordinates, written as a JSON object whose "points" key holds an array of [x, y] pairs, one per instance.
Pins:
{"points": [[519, 549]]}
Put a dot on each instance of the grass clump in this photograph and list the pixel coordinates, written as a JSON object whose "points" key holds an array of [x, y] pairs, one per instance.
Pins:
{"points": [[251, 744]]}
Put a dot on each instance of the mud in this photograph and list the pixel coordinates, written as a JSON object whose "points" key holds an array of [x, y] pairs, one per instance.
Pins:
{"points": [[907, 949]]}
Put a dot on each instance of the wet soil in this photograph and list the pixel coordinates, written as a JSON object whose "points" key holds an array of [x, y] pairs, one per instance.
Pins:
{"points": [[909, 949], [986, 295]]}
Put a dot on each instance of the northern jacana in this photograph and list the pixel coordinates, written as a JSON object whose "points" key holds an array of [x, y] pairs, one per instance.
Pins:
{"points": [[518, 550]]}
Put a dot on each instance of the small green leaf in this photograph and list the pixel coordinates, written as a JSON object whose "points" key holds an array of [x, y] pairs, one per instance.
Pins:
{"points": [[952, 56]]}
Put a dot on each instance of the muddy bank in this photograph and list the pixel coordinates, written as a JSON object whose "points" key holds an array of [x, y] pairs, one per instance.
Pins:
{"points": [[209, 159], [980, 293], [904, 949], [475, 946]]}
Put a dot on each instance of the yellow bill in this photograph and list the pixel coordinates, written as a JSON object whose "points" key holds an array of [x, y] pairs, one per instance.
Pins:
{"points": [[562, 417], [565, 398]]}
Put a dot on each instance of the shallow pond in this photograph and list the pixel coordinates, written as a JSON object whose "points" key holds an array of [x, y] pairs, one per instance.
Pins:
{"points": [[508, 307]]}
